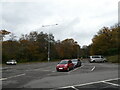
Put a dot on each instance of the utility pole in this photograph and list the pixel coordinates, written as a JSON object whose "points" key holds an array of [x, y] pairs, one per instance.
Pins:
{"points": [[49, 39], [2, 34]]}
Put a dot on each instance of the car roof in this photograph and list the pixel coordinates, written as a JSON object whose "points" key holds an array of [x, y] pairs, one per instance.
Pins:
{"points": [[74, 59], [96, 55], [12, 60], [66, 60]]}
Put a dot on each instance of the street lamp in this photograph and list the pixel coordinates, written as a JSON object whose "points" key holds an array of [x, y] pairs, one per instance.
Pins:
{"points": [[2, 34], [49, 39], [78, 49]]}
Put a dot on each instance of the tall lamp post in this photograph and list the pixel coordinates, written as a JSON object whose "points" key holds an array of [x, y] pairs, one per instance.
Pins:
{"points": [[49, 39], [2, 34], [78, 49]]}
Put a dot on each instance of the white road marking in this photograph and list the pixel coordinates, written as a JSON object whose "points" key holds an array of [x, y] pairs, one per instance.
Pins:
{"points": [[6, 68], [75, 69], [93, 68], [74, 88], [82, 66], [12, 76], [88, 83], [91, 83], [111, 83], [3, 79], [111, 79], [53, 71]]}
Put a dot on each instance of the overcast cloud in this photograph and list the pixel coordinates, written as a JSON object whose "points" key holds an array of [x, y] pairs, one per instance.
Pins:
{"points": [[77, 19]]}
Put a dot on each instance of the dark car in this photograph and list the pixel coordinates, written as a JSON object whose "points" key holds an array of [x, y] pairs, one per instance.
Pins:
{"points": [[65, 65], [11, 62], [76, 62]]}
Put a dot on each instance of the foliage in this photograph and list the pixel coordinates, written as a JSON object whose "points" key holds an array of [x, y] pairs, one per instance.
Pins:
{"points": [[106, 42], [113, 59], [34, 47]]}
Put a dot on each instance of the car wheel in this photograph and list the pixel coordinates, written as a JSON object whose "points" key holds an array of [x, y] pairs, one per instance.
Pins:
{"points": [[73, 67], [103, 61], [68, 69]]}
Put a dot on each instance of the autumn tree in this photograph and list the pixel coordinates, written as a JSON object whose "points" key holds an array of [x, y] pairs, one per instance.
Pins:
{"points": [[106, 41], [68, 48]]}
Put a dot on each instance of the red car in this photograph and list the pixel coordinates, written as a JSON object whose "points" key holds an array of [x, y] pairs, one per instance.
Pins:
{"points": [[65, 65]]}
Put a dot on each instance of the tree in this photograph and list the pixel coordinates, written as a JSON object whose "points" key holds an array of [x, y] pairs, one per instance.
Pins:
{"points": [[67, 48], [106, 41], [12, 37]]}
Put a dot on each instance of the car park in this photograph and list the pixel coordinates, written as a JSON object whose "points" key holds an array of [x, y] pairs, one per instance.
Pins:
{"points": [[11, 62], [65, 65], [97, 58], [76, 62]]}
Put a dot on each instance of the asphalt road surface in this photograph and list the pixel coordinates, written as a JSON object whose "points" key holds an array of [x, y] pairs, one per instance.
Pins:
{"points": [[92, 76]]}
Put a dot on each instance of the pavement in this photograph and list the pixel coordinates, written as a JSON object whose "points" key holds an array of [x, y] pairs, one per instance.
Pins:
{"points": [[43, 76]]}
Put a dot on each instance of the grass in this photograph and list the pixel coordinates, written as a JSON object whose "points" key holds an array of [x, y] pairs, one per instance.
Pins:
{"points": [[45, 61], [113, 59]]}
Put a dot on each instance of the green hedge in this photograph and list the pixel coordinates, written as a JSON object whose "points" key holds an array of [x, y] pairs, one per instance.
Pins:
{"points": [[113, 59]]}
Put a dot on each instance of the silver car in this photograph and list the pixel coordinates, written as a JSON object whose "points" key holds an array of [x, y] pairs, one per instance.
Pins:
{"points": [[11, 62], [97, 58], [76, 62]]}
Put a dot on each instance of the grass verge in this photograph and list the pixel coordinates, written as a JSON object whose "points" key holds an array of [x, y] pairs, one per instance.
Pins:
{"points": [[113, 59]]}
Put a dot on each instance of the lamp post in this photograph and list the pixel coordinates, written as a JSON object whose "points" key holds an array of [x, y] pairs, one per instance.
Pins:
{"points": [[2, 34], [78, 51], [49, 39]]}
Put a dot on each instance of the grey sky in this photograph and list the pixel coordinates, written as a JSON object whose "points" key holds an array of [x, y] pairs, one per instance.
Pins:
{"points": [[77, 19]]}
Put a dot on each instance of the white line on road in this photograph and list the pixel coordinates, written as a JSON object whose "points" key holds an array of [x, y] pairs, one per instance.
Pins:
{"points": [[81, 66], [3, 79], [53, 71], [12, 76], [93, 68], [111, 83], [75, 69], [91, 83], [6, 68], [74, 88]]}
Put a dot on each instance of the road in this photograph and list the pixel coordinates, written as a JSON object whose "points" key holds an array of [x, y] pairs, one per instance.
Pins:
{"points": [[100, 76]]}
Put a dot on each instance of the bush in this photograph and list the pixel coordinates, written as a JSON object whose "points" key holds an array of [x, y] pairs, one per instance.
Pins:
{"points": [[112, 51], [113, 59]]}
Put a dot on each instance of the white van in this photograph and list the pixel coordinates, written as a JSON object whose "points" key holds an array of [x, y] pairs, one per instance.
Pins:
{"points": [[97, 58]]}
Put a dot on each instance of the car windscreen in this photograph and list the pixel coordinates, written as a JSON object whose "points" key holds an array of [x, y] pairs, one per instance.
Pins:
{"points": [[11, 61], [95, 56], [74, 60], [63, 62]]}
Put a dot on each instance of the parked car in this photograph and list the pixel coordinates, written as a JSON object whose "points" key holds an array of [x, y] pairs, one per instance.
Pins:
{"points": [[11, 62], [65, 65], [97, 58], [76, 62]]}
